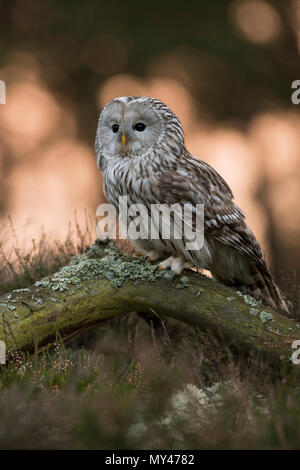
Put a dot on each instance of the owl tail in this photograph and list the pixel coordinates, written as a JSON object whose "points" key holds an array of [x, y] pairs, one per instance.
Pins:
{"points": [[258, 282], [261, 285]]}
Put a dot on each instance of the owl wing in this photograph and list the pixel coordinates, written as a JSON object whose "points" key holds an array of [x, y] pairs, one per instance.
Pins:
{"points": [[196, 182]]}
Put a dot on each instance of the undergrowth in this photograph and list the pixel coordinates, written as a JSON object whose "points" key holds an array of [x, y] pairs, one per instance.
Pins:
{"points": [[20, 267], [135, 382]]}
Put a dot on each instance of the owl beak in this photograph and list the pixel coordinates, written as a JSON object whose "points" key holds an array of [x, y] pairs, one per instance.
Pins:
{"points": [[124, 139]]}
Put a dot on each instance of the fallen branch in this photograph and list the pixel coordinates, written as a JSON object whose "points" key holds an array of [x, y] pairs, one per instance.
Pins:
{"points": [[104, 283]]}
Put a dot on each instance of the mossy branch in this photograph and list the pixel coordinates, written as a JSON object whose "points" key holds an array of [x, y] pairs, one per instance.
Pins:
{"points": [[104, 283]]}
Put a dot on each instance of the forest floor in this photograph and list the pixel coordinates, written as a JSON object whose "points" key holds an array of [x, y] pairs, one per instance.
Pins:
{"points": [[135, 383]]}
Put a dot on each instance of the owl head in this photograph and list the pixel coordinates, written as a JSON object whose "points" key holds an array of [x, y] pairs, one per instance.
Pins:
{"points": [[134, 127]]}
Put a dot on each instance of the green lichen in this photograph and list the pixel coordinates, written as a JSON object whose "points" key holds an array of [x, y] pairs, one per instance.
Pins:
{"points": [[115, 267], [249, 300], [265, 317]]}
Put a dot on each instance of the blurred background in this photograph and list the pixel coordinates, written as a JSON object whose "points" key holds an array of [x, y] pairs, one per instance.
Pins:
{"points": [[225, 68]]}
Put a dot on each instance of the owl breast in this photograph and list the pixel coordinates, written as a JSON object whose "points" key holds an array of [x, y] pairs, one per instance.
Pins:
{"points": [[122, 179], [139, 184], [130, 180]]}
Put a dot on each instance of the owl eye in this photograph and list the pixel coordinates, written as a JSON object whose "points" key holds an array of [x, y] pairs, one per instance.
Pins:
{"points": [[115, 128], [140, 127]]}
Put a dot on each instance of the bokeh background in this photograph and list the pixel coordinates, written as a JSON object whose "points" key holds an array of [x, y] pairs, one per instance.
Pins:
{"points": [[224, 67]]}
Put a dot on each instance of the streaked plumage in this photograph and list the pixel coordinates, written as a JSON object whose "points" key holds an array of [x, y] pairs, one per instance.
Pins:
{"points": [[153, 166]]}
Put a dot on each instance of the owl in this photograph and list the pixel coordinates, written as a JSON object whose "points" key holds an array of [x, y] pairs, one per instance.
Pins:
{"points": [[142, 155]]}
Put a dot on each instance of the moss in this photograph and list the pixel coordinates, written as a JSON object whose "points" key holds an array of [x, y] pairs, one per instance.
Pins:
{"points": [[269, 328], [199, 292]]}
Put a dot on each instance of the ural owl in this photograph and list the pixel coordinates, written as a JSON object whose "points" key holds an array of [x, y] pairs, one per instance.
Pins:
{"points": [[141, 153]]}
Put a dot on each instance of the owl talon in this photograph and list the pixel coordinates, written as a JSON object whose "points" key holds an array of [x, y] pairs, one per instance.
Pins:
{"points": [[166, 263], [176, 264], [152, 256]]}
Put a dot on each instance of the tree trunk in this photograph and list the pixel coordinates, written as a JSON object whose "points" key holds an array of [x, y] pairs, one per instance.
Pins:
{"points": [[104, 283]]}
